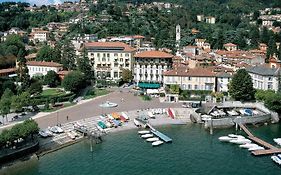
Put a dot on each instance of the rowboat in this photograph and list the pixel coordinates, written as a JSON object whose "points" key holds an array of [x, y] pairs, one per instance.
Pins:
{"points": [[153, 139], [145, 136], [144, 132], [157, 143]]}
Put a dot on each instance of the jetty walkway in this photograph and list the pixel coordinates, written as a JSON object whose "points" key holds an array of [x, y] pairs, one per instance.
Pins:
{"points": [[271, 149]]}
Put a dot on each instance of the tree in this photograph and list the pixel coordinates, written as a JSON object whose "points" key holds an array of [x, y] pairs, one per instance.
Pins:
{"points": [[241, 86], [20, 101], [46, 53], [273, 102], [272, 48], [175, 89], [9, 84], [74, 81], [279, 53], [36, 87], [5, 103], [127, 75], [254, 37], [83, 65], [23, 75], [52, 79], [264, 38], [68, 56]]}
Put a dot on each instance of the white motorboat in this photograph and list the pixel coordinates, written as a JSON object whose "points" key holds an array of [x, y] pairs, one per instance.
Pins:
{"points": [[256, 148], [248, 145], [236, 136], [125, 115], [145, 136], [276, 159], [157, 143], [108, 124], [74, 133], [144, 132], [240, 141], [226, 138], [153, 139], [278, 141], [43, 134]]}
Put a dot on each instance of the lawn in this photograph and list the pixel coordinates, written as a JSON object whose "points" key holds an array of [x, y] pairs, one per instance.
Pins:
{"points": [[52, 92], [52, 109], [92, 93]]}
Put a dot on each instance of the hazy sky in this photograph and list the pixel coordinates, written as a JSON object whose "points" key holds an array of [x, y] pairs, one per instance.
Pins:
{"points": [[39, 2]]}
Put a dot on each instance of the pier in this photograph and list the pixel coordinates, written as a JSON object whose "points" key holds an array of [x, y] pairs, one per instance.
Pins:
{"points": [[159, 134], [270, 148]]}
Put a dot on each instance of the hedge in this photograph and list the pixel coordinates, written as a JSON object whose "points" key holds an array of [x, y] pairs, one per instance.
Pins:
{"points": [[60, 98]]}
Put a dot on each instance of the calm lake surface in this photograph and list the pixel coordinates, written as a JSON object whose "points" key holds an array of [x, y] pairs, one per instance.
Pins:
{"points": [[193, 151]]}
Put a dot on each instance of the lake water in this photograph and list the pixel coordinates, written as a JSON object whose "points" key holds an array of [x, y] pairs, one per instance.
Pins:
{"points": [[193, 151]]}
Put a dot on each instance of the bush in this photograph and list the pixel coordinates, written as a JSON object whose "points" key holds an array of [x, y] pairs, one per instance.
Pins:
{"points": [[74, 81], [146, 98]]}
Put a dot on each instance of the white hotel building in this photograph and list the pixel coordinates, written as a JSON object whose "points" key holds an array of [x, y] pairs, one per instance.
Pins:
{"points": [[41, 68], [150, 65], [109, 58]]}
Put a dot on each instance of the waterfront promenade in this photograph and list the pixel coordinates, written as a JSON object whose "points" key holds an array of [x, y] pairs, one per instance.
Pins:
{"points": [[91, 108]]}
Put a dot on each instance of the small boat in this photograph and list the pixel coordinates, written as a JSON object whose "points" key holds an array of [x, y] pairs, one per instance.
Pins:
{"points": [[153, 139], [276, 159], [108, 124], [53, 129], [144, 132], [240, 141], [248, 145], [125, 115], [236, 136], [145, 136], [74, 133], [116, 123], [157, 143], [137, 123], [50, 134], [277, 140], [59, 129], [256, 148], [101, 124], [122, 118], [110, 116], [226, 138], [69, 134]]}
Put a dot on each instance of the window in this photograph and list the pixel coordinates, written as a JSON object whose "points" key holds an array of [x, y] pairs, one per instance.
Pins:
{"points": [[115, 54], [108, 55], [195, 87], [269, 86], [121, 59], [98, 54], [189, 78], [269, 78], [189, 86], [103, 59], [115, 74], [126, 55]]}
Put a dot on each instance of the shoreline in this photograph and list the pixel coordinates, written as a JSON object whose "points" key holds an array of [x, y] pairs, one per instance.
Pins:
{"points": [[160, 120]]}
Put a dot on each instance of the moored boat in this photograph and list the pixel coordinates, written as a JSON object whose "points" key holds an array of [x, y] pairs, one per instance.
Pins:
{"points": [[144, 132], [256, 148], [236, 136], [276, 159], [125, 115], [122, 118], [145, 136], [240, 141], [248, 145], [157, 143], [153, 139], [72, 136], [226, 138]]}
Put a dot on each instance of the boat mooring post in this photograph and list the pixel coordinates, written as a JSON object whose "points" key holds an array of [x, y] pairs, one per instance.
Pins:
{"points": [[236, 126], [211, 127], [91, 147]]}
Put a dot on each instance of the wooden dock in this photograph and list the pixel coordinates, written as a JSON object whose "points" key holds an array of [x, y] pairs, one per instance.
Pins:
{"points": [[271, 149]]}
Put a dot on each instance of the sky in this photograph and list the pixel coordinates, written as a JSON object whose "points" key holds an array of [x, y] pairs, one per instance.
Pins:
{"points": [[38, 2]]}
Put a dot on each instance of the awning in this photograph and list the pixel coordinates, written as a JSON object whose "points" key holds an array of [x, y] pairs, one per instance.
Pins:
{"points": [[149, 85]]}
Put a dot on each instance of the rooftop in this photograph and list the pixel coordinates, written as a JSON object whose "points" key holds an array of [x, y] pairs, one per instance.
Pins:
{"points": [[263, 70], [188, 72], [43, 64], [108, 45], [153, 54]]}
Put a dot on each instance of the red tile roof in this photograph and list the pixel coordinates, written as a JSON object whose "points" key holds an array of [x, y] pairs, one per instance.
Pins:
{"points": [[153, 54], [110, 45], [188, 72], [9, 70], [229, 45], [43, 64]]}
